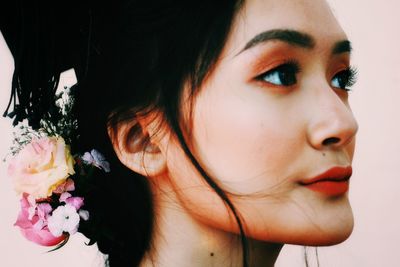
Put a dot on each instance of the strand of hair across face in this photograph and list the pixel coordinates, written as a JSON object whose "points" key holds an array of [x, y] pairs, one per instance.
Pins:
{"points": [[217, 190]]}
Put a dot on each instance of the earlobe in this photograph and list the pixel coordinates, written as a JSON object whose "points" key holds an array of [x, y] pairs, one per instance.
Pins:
{"points": [[148, 164], [137, 144]]}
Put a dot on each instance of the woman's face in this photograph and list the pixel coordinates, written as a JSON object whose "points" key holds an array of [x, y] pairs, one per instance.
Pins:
{"points": [[274, 114]]}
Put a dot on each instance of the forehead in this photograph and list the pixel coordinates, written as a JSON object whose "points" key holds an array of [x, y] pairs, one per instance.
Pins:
{"points": [[313, 17]]}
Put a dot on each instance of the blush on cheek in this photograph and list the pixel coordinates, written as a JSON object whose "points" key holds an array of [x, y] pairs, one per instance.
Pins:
{"points": [[244, 154], [244, 137]]}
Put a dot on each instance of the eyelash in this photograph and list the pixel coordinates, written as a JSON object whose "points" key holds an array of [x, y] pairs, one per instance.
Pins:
{"points": [[287, 73], [290, 67], [349, 76]]}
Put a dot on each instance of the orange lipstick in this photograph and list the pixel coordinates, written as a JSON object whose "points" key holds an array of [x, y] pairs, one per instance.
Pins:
{"points": [[333, 182]]}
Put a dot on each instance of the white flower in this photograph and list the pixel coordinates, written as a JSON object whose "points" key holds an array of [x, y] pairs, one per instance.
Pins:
{"points": [[64, 219], [84, 214], [97, 159]]}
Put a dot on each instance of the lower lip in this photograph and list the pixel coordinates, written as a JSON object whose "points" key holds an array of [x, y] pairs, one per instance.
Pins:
{"points": [[330, 188]]}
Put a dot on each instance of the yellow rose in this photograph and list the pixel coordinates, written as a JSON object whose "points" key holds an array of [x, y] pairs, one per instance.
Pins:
{"points": [[41, 166]]}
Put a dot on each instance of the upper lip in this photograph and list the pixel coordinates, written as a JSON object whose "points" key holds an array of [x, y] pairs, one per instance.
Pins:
{"points": [[333, 174]]}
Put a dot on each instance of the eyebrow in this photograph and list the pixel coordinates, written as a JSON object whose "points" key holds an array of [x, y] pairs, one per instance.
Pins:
{"points": [[294, 38], [342, 47], [291, 37]]}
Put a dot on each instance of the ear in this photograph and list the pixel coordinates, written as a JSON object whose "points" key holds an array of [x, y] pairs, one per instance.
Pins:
{"points": [[139, 144]]}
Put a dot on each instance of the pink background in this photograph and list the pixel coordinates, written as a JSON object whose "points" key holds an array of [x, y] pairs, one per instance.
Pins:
{"points": [[373, 28]]}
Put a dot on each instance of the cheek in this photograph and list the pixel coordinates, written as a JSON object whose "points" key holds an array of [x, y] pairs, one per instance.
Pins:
{"points": [[246, 141]]}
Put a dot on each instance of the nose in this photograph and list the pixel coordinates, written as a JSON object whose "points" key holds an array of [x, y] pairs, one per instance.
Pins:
{"points": [[332, 124]]}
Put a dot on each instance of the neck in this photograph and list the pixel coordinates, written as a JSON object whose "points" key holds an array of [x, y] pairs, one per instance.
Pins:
{"points": [[181, 240]]}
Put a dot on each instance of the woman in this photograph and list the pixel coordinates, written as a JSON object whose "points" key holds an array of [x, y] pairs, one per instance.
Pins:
{"points": [[226, 125]]}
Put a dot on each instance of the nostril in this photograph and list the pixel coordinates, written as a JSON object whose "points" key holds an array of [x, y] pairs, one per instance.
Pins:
{"points": [[331, 141]]}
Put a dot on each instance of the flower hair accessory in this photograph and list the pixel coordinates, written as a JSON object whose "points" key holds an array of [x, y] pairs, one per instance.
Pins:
{"points": [[45, 173]]}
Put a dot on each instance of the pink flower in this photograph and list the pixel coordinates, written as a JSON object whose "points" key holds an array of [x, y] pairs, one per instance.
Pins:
{"points": [[36, 229], [41, 167], [64, 196], [76, 202], [43, 211]]}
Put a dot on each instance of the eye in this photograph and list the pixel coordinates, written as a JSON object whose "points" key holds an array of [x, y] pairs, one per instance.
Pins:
{"points": [[345, 79], [283, 75]]}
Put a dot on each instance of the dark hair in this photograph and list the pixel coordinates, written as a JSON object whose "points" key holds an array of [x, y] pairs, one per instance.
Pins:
{"points": [[130, 59]]}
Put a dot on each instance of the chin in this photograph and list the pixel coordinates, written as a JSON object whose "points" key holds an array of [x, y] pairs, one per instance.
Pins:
{"points": [[332, 224], [328, 235], [330, 228], [334, 239]]}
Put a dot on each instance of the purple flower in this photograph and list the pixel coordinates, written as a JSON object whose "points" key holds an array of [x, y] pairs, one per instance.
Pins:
{"points": [[97, 159]]}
